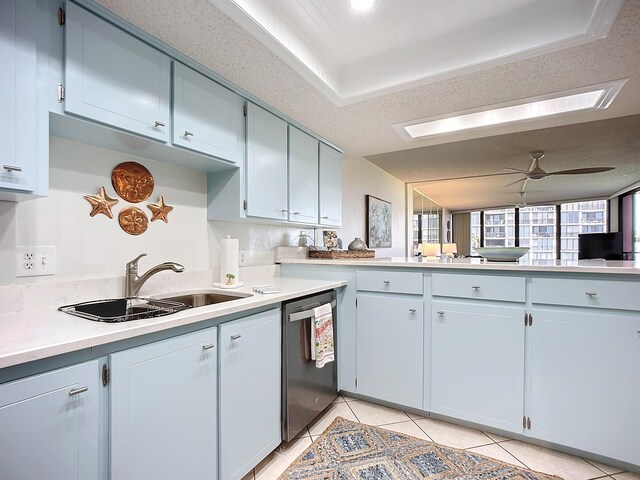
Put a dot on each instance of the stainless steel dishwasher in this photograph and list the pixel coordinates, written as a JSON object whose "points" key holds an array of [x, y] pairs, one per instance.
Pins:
{"points": [[306, 389]]}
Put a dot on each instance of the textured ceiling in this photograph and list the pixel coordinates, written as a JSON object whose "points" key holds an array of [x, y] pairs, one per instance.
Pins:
{"points": [[204, 33]]}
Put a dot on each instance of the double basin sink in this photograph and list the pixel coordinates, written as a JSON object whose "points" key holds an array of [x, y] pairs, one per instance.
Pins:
{"points": [[123, 309]]}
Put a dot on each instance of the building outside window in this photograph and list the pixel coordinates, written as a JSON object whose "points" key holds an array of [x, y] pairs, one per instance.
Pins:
{"points": [[538, 231], [499, 228], [577, 218], [426, 229]]}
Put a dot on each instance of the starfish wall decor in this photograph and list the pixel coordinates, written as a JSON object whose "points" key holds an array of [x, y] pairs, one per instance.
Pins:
{"points": [[101, 203], [160, 210]]}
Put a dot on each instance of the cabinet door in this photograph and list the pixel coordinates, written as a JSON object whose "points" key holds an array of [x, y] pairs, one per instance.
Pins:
{"points": [[207, 117], [113, 78], [19, 127], [330, 186], [266, 164], [477, 358], [163, 409], [585, 382], [390, 348], [249, 392], [303, 177], [49, 425]]}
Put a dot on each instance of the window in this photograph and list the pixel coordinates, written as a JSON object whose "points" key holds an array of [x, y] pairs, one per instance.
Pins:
{"points": [[537, 231], [499, 228], [577, 218]]}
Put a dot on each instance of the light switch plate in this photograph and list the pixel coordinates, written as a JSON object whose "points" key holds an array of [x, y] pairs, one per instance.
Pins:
{"points": [[35, 261]]}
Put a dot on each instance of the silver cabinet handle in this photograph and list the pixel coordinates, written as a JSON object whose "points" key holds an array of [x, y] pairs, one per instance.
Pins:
{"points": [[476, 287], [236, 336], [412, 311], [208, 346], [76, 391], [159, 124], [284, 211], [188, 134], [296, 213], [12, 168], [386, 282], [440, 312], [591, 294], [324, 218]]}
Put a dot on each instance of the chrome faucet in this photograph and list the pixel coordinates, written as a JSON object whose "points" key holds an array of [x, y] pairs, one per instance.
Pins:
{"points": [[133, 283]]}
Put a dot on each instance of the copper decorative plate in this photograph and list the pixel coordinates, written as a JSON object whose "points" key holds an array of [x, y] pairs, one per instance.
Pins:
{"points": [[133, 220], [132, 181]]}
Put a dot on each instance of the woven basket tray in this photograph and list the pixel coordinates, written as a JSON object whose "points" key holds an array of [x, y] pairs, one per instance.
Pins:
{"points": [[342, 253]]}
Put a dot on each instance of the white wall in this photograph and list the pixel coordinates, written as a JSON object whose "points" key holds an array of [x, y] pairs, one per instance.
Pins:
{"points": [[360, 178], [96, 247]]}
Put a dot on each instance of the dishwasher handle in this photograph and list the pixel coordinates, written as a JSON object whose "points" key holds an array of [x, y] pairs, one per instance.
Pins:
{"points": [[308, 313]]}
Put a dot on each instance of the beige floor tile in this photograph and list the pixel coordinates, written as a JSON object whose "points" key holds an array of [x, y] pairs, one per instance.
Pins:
{"points": [[453, 435], [329, 415], [249, 476], [373, 414], [626, 476], [349, 399], [340, 399], [278, 460], [408, 428], [606, 468], [549, 461], [495, 437], [497, 452]]}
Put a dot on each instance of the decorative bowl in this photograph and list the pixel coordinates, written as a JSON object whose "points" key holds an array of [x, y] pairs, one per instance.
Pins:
{"points": [[502, 254]]}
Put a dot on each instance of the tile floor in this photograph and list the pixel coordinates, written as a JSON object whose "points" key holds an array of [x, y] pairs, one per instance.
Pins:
{"points": [[502, 448]]}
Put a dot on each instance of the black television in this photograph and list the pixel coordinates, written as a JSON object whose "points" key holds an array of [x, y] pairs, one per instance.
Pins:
{"points": [[600, 245]]}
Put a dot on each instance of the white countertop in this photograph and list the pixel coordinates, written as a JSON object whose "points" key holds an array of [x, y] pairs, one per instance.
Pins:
{"points": [[579, 266], [44, 332]]}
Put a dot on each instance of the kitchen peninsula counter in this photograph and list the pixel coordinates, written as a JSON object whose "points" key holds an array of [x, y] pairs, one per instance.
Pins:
{"points": [[478, 264]]}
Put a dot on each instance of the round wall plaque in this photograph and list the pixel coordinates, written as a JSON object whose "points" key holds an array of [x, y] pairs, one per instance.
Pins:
{"points": [[133, 220], [132, 182]]}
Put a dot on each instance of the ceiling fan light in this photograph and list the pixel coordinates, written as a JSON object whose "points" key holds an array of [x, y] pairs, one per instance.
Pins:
{"points": [[362, 5], [589, 98]]}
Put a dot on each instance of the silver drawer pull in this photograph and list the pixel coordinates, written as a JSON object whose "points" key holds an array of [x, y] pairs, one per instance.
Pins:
{"points": [[412, 311], [188, 134], [236, 336], [591, 294], [12, 168], [284, 211], [77, 391], [208, 346], [296, 213], [476, 287], [324, 218], [386, 282], [440, 312], [159, 124]]}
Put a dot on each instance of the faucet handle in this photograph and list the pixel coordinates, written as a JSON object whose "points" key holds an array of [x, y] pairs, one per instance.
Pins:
{"points": [[132, 266]]}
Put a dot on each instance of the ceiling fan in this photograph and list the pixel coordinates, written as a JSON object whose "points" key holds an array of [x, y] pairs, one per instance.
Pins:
{"points": [[537, 173], [521, 203]]}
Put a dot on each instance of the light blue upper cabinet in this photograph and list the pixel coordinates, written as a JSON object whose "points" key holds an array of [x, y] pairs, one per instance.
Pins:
{"points": [[49, 425], [390, 349], [330, 186], [249, 392], [303, 177], [207, 117], [477, 358], [163, 409], [24, 128], [113, 78], [585, 383], [266, 164]]}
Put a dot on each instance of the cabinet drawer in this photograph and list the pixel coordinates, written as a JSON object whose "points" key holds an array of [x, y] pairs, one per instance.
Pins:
{"points": [[615, 294], [479, 287], [391, 282]]}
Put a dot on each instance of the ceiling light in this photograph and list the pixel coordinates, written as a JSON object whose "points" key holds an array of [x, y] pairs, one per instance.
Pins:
{"points": [[362, 5], [595, 97]]}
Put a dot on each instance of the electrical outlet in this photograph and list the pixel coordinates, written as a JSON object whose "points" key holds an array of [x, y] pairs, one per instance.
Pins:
{"points": [[243, 256], [35, 261]]}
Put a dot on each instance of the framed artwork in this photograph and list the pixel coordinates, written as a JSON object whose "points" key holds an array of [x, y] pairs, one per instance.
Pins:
{"points": [[378, 222]]}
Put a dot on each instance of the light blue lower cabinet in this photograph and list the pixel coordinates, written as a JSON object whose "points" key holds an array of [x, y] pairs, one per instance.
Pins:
{"points": [[163, 409], [249, 392], [49, 425], [477, 357], [585, 380], [390, 348]]}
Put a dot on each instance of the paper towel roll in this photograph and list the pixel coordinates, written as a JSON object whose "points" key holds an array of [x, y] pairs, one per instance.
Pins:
{"points": [[229, 259]]}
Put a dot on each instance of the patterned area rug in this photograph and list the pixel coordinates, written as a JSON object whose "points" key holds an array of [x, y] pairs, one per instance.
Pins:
{"points": [[353, 451]]}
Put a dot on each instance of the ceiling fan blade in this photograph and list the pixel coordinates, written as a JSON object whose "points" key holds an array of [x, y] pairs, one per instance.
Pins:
{"points": [[581, 171], [463, 178], [513, 183], [516, 169]]}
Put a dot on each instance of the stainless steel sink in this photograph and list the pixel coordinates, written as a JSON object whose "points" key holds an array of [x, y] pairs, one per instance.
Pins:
{"points": [[202, 298]]}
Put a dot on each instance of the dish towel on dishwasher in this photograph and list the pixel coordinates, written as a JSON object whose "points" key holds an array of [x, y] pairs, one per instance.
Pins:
{"points": [[322, 335]]}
